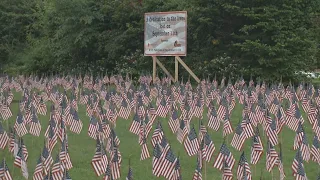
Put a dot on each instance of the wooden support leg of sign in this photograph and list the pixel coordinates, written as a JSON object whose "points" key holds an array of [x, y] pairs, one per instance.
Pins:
{"points": [[176, 78], [155, 62], [187, 68]]}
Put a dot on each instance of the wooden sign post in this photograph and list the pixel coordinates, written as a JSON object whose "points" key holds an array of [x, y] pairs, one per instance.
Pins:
{"points": [[165, 34]]}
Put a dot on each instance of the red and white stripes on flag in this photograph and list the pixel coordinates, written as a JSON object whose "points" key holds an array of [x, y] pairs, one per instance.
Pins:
{"points": [[243, 168], [315, 150], [76, 124], [224, 156], [4, 138], [191, 143], [20, 126], [256, 148]]}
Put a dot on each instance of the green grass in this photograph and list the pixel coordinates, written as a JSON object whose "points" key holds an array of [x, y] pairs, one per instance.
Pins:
{"points": [[82, 149]]}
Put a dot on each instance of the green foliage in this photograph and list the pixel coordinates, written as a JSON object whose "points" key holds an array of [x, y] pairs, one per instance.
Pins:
{"points": [[267, 39]]}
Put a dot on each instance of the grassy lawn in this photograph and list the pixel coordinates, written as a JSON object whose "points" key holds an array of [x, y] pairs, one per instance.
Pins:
{"points": [[82, 149]]}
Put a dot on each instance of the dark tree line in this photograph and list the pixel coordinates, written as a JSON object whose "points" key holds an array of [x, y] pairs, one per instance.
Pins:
{"points": [[268, 39]]}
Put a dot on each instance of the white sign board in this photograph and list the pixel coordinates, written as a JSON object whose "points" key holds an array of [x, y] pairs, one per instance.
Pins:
{"points": [[165, 33]]}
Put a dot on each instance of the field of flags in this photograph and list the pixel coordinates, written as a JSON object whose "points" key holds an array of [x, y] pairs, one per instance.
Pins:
{"points": [[68, 127]]}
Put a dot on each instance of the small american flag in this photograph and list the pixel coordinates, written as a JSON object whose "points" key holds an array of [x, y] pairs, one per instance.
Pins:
{"points": [[3, 137], [174, 121], [96, 160], [224, 156], [272, 157], [182, 131], [298, 167], [38, 172], [20, 162], [46, 159], [157, 135], [243, 168], [272, 131], [144, 148], [197, 174], [227, 172], [213, 121], [4, 171], [35, 126], [93, 127], [315, 150], [57, 169], [238, 138], [207, 147], [227, 128], [256, 148], [115, 164], [20, 126], [135, 125], [76, 124], [191, 143]]}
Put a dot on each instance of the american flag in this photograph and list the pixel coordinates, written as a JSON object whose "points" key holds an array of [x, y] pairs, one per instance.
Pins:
{"points": [[207, 147], [130, 174], [35, 126], [294, 117], [191, 143], [3, 137], [197, 174], [227, 172], [174, 121], [38, 172], [177, 171], [227, 128], [305, 149], [272, 157], [168, 164], [315, 150], [272, 130], [299, 136], [243, 168], [256, 148], [93, 127], [213, 121], [97, 158], [281, 119], [107, 174], [20, 162], [20, 126], [52, 124], [162, 110], [224, 156], [182, 131], [238, 138], [125, 110], [247, 127], [316, 126], [42, 108], [4, 171], [64, 155], [298, 168], [46, 159], [115, 164], [159, 154], [76, 124], [52, 139], [157, 135], [135, 125], [57, 169], [144, 148]]}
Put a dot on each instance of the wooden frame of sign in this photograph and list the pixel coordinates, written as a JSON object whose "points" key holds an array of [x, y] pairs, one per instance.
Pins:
{"points": [[176, 72], [166, 35]]}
